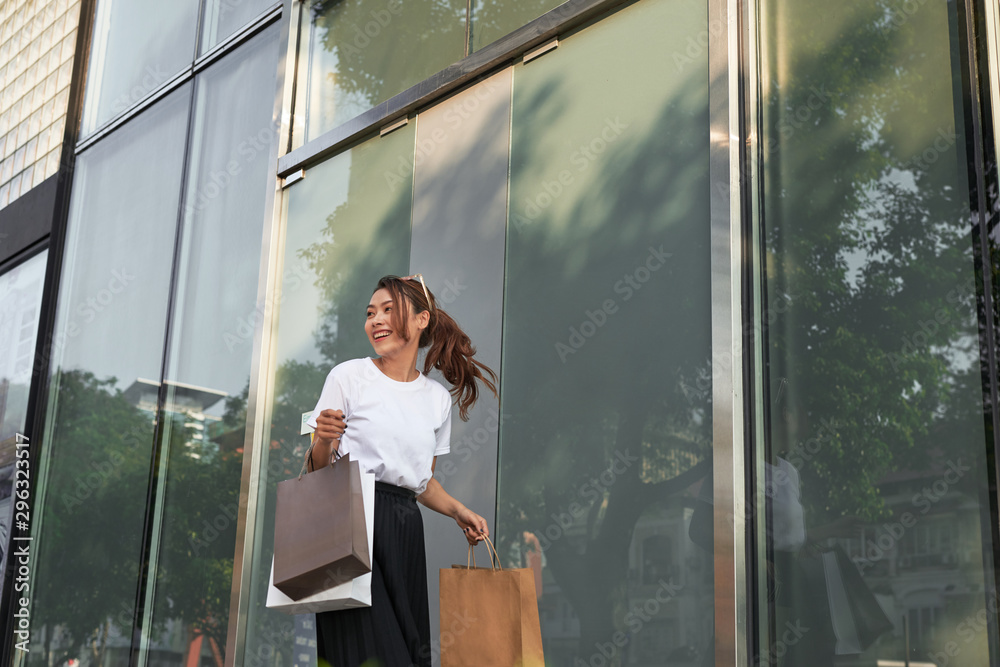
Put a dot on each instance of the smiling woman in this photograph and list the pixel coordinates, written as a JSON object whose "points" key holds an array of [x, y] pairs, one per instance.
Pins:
{"points": [[396, 421]]}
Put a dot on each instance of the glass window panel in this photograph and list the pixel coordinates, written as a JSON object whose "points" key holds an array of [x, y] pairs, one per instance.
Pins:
{"points": [[872, 408], [20, 305], [606, 439], [224, 17], [208, 366], [358, 53], [137, 46], [347, 225], [492, 19], [106, 365], [458, 246]]}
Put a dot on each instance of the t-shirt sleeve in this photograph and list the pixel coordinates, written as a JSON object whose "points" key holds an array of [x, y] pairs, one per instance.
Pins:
{"points": [[443, 432], [333, 397]]}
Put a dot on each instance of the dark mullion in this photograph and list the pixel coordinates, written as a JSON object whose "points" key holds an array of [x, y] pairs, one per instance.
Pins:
{"points": [[38, 394], [973, 107]]}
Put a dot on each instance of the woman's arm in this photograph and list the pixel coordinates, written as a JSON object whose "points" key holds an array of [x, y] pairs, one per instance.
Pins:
{"points": [[436, 498]]}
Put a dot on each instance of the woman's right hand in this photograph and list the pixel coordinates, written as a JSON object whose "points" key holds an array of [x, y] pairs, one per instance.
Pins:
{"points": [[330, 426]]}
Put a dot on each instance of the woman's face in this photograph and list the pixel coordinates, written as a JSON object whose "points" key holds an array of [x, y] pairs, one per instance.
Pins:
{"points": [[378, 325]]}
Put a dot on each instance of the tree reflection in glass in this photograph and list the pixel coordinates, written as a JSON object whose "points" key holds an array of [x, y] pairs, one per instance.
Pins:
{"points": [[357, 53], [873, 347], [607, 369]]}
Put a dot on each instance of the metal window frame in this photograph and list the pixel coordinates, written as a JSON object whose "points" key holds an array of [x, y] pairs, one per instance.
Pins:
{"points": [[732, 614], [732, 611], [992, 23], [264, 340], [474, 67], [259, 23]]}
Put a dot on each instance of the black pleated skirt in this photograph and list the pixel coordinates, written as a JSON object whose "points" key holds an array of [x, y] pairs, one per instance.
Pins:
{"points": [[395, 630]]}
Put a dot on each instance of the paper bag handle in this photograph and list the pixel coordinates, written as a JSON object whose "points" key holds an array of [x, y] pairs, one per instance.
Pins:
{"points": [[335, 456], [471, 561]]}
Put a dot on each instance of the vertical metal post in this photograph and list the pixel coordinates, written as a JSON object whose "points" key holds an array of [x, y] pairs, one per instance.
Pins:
{"points": [[731, 603], [272, 249]]}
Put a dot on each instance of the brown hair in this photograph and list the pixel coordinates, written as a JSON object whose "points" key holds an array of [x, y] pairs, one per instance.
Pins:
{"points": [[451, 350]]}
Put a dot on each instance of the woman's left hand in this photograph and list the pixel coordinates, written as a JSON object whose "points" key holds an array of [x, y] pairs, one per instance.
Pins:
{"points": [[473, 525]]}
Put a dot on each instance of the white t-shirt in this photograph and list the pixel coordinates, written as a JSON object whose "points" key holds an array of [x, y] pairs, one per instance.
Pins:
{"points": [[781, 485], [394, 429]]}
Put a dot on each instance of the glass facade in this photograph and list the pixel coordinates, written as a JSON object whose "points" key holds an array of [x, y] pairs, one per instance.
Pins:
{"points": [[492, 19], [136, 47], [356, 54], [691, 235], [20, 304], [875, 447], [37, 45], [222, 18], [104, 374], [347, 225], [149, 374], [607, 289], [208, 363]]}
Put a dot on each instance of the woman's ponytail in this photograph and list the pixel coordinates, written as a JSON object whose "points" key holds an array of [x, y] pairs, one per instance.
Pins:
{"points": [[452, 353], [450, 349]]}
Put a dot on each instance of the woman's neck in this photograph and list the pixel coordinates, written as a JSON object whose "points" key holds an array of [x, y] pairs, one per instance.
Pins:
{"points": [[401, 368]]}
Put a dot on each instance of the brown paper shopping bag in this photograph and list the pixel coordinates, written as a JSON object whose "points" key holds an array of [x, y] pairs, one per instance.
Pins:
{"points": [[320, 534], [489, 616]]}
